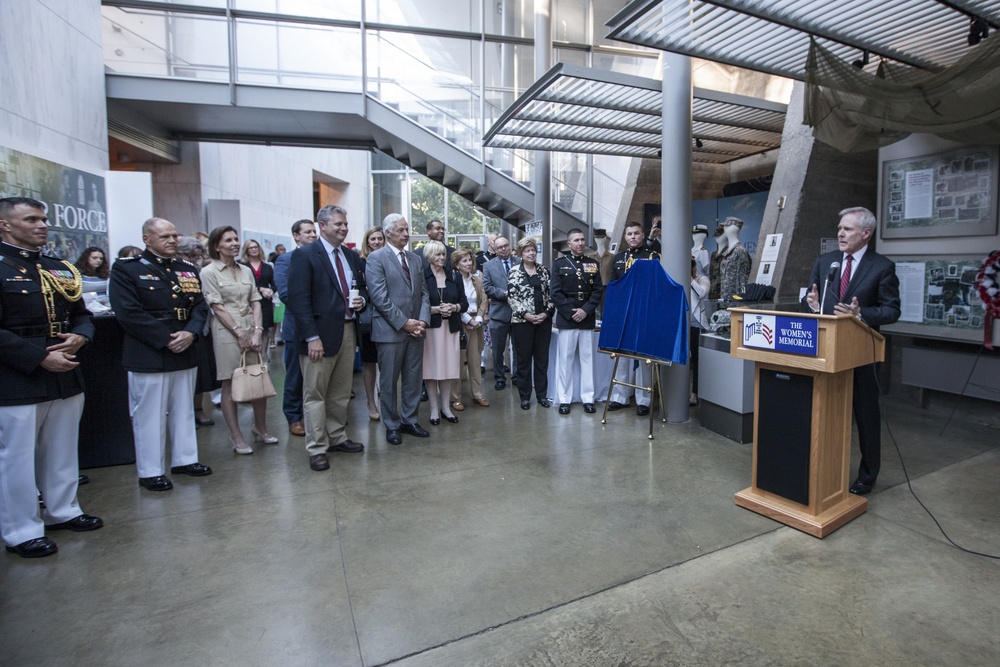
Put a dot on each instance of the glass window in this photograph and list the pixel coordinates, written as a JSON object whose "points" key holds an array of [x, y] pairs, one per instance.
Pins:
{"points": [[348, 10], [286, 54], [510, 18], [569, 21], [426, 202], [462, 16]]}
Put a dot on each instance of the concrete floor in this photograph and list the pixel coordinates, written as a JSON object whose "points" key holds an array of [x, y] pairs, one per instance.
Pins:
{"points": [[518, 538]]}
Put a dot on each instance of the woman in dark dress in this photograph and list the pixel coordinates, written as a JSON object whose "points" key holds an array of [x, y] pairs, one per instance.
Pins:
{"points": [[373, 240], [263, 274], [530, 323]]}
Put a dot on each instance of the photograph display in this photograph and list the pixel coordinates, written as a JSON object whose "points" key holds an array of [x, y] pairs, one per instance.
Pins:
{"points": [[940, 293]]}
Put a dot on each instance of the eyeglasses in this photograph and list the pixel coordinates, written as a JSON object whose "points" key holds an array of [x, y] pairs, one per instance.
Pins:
{"points": [[501, 247]]}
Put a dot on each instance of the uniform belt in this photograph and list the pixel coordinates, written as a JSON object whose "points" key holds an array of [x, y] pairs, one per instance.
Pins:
{"points": [[582, 296], [38, 330], [179, 314]]}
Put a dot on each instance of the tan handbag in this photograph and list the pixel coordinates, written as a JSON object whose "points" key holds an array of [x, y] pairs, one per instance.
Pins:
{"points": [[252, 381]]}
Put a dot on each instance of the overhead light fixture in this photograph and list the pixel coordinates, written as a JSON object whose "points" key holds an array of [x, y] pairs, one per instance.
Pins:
{"points": [[863, 60], [978, 30], [698, 143]]}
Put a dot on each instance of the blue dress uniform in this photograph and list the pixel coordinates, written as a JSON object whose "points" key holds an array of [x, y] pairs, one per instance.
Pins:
{"points": [[620, 395], [39, 409], [154, 297], [575, 283]]}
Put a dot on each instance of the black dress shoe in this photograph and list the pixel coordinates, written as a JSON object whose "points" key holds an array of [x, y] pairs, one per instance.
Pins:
{"points": [[451, 420], [642, 410], [158, 483], [545, 403], [500, 385], [348, 446], [83, 479], [564, 408], [525, 405], [414, 429], [80, 524], [589, 408], [36, 548], [319, 462], [614, 406], [859, 488], [193, 469], [506, 368], [393, 437], [423, 395], [513, 381], [434, 422]]}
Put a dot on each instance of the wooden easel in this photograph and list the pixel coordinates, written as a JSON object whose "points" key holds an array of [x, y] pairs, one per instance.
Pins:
{"points": [[652, 389]]}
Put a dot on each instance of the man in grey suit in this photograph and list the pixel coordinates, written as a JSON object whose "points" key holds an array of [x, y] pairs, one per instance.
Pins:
{"points": [[495, 285], [398, 293]]}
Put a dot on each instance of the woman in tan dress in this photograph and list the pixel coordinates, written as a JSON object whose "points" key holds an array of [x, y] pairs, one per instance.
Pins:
{"points": [[464, 262], [230, 290], [441, 348]]}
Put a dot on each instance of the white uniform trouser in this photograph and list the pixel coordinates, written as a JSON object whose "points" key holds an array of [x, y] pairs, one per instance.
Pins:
{"points": [[38, 452], [626, 373], [154, 400], [571, 342]]}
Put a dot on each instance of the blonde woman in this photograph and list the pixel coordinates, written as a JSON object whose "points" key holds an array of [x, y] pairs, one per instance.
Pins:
{"points": [[372, 241], [441, 347], [464, 262]]}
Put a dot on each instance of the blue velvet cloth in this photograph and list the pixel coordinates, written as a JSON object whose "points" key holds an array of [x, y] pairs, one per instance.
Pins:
{"points": [[646, 314]]}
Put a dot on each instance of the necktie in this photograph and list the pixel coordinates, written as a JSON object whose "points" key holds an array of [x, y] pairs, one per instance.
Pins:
{"points": [[406, 268], [506, 266], [845, 277], [343, 280]]}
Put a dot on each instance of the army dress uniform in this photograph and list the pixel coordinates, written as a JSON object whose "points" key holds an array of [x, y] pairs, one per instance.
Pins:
{"points": [[154, 297], [620, 395], [575, 283], [39, 409]]}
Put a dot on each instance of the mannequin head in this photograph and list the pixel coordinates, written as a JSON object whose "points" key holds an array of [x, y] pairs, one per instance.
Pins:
{"points": [[732, 227], [698, 235], [720, 238]]}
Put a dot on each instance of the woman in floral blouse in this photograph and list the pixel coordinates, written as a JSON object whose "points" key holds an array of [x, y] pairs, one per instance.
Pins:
{"points": [[530, 322]]}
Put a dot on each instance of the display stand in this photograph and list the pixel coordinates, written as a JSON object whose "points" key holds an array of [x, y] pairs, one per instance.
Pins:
{"points": [[652, 389], [802, 421]]}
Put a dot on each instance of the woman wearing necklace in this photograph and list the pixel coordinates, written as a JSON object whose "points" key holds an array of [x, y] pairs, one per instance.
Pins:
{"points": [[472, 323], [263, 274], [230, 291], [442, 353], [530, 322]]}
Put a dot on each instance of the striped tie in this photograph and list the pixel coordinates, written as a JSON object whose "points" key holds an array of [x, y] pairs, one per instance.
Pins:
{"points": [[845, 277]]}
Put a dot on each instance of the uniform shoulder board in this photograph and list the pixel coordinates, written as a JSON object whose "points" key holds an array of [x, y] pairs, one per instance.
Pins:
{"points": [[129, 259], [185, 262]]}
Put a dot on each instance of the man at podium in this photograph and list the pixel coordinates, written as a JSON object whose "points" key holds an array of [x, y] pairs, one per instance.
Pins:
{"points": [[857, 281]]}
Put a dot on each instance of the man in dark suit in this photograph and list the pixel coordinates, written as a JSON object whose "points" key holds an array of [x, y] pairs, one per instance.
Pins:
{"points": [[865, 286], [157, 300], [435, 232], [495, 273], [325, 292], [43, 323], [304, 232], [399, 296]]}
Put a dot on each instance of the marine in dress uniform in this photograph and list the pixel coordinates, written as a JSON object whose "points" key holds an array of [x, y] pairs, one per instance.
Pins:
{"points": [[158, 301], [43, 323], [623, 261], [576, 290]]}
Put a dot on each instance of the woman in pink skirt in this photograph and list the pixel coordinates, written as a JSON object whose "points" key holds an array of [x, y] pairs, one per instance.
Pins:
{"points": [[442, 354]]}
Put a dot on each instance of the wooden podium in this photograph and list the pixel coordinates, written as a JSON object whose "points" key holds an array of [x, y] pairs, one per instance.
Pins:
{"points": [[803, 412]]}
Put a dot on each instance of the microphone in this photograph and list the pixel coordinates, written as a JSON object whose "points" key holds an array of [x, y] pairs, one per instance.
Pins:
{"points": [[834, 267]]}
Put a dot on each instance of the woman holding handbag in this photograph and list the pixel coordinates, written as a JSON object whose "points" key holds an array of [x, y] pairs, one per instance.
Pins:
{"points": [[230, 290]]}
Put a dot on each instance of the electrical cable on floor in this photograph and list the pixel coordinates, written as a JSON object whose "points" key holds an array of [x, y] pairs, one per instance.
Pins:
{"points": [[899, 453]]}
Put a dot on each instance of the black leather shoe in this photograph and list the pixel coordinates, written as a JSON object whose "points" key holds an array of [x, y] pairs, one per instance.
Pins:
{"points": [[423, 395], [434, 422], [642, 410], [500, 385], [525, 405], [589, 408], [414, 429], [513, 381], [859, 488], [564, 408], [83, 479], [80, 524], [348, 446], [319, 462], [545, 403], [158, 483], [393, 437], [36, 548], [451, 420], [193, 469], [614, 406]]}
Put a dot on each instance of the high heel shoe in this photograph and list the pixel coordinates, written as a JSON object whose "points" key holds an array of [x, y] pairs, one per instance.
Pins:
{"points": [[243, 448], [451, 420], [435, 422], [374, 415], [264, 437]]}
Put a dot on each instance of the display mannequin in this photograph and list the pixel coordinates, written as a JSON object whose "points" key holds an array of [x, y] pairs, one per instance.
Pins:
{"points": [[715, 270], [698, 252], [734, 270]]}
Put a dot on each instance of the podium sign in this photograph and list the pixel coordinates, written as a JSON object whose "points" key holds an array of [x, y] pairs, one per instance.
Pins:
{"points": [[803, 385]]}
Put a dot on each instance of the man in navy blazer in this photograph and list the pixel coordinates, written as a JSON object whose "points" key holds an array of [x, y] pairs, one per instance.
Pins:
{"points": [[326, 291], [865, 285]]}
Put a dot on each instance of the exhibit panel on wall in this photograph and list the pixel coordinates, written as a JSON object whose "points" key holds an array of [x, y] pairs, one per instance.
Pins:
{"points": [[75, 201]]}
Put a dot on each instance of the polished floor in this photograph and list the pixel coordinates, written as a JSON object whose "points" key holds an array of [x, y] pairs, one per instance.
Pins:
{"points": [[519, 538]]}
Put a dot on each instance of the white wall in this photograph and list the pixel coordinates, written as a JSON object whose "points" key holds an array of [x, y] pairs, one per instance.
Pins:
{"points": [[130, 203], [52, 103]]}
